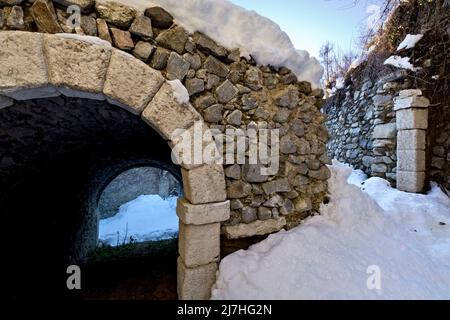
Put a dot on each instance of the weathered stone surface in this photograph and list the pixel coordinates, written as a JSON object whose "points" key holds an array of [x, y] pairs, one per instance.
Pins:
{"points": [[385, 131], [411, 160], [216, 67], [249, 214], [213, 114], [302, 205], [256, 228], [44, 16], [122, 39], [116, 13], [253, 79], [174, 39], [209, 46], [2, 18], [252, 173], [199, 244], [23, 72], [412, 119], [288, 98], [378, 168], [204, 184], [321, 174], [195, 283], [238, 189], [15, 19], [142, 27], [235, 118], [5, 102], [233, 172], [143, 50], [165, 114], [160, 18], [103, 30], [287, 145], [410, 181], [411, 102], [85, 5], [130, 83], [195, 86], [89, 26], [382, 100], [264, 213], [287, 208], [78, 68], [226, 91], [411, 140], [194, 60], [177, 67], [10, 2], [159, 60], [279, 185]]}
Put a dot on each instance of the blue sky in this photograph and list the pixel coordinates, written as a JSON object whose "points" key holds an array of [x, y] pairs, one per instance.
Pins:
{"points": [[310, 23]]}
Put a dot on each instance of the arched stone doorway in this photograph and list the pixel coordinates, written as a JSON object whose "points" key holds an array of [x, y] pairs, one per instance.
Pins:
{"points": [[38, 66]]}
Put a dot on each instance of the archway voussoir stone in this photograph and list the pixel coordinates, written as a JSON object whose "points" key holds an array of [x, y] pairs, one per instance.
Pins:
{"points": [[77, 66], [23, 71], [130, 83], [166, 115], [205, 184]]}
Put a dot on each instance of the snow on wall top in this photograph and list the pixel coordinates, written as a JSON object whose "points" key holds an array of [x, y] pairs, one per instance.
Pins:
{"points": [[236, 27]]}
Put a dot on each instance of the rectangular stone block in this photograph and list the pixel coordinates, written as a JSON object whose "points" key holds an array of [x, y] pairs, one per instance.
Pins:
{"points": [[130, 83], [195, 283], [23, 70], [385, 131], [411, 102], [410, 181], [77, 64], [412, 119], [199, 245], [200, 214], [411, 160], [167, 116], [204, 184], [257, 228], [411, 140]]}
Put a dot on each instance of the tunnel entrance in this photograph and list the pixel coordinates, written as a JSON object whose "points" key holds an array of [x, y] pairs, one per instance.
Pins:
{"points": [[58, 156]]}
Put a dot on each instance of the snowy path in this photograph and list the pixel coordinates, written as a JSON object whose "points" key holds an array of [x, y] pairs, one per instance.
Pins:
{"points": [[367, 226]]}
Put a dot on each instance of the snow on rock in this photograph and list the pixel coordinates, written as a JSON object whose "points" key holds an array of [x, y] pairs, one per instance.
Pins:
{"points": [[340, 83], [147, 218], [400, 62], [180, 92], [410, 41], [235, 27], [365, 227], [84, 38]]}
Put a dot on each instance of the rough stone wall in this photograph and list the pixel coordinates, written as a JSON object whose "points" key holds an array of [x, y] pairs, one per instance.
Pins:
{"points": [[229, 92], [135, 182], [362, 125]]}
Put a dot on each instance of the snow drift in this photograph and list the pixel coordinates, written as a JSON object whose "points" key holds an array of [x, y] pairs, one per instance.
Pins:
{"points": [[365, 226], [235, 27]]}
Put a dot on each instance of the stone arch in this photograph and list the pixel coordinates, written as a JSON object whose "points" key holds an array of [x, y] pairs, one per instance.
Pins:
{"points": [[35, 65]]}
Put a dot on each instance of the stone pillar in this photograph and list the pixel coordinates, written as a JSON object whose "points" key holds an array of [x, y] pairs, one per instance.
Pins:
{"points": [[412, 122], [199, 247]]}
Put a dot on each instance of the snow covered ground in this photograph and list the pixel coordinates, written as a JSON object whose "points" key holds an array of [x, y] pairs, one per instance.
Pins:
{"points": [[147, 218], [235, 27], [370, 242]]}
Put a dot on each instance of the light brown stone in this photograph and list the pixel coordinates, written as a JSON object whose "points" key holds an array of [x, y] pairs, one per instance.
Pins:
{"points": [[195, 283], [199, 244], [256, 228], [122, 39], [204, 184], [44, 16], [103, 30], [115, 13], [413, 182], [130, 83], [23, 71], [200, 214], [411, 140], [165, 114], [77, 67], [411, 160]]}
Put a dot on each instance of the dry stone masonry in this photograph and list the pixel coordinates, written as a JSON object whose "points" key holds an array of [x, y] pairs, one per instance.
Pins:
{"points": [[128, 59]]}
